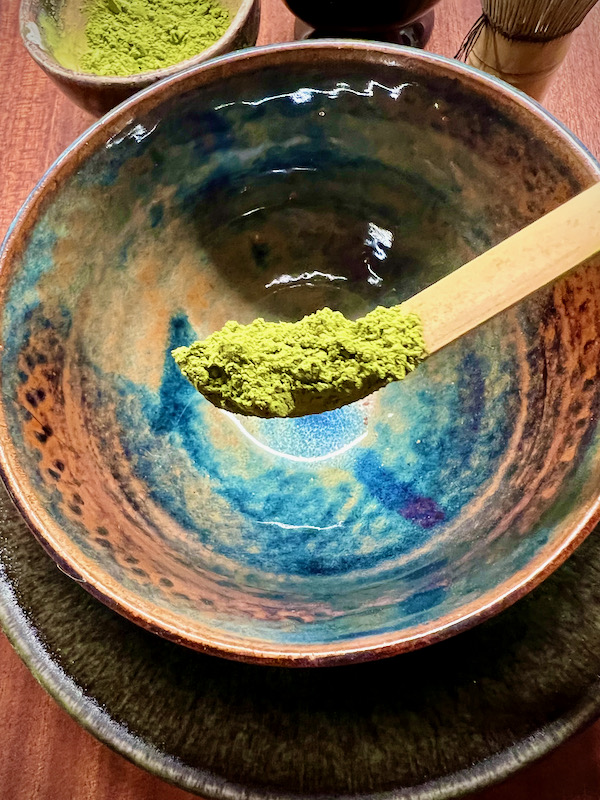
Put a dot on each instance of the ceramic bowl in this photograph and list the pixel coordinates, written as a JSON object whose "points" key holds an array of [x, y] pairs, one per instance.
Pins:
{"points": [[57, 47], [271, 183], [342, 15]]}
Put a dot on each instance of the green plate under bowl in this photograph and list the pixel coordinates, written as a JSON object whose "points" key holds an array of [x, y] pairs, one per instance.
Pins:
{"points": [[427, 725]]}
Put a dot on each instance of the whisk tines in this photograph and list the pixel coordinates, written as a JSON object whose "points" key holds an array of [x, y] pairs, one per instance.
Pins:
{"points": [[524, 42], [536, 20]]}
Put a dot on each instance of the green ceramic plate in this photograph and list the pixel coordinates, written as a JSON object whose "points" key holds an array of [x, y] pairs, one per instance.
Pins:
{"points": [[431, 724]]}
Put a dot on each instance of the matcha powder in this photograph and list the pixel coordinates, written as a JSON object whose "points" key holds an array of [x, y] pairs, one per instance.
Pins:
{"points": [[288, 369], [125, 37]]}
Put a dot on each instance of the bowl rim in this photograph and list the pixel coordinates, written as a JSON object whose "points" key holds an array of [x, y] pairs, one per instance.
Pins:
{"points": [[109, 591], [28, 14]]}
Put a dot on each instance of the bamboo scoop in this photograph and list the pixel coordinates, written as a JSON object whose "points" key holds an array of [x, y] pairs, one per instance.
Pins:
{"points": [[496, 280], [468, 297]]}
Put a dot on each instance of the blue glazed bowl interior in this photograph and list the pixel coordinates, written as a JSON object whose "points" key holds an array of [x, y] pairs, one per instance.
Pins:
{"points": [[272, 184]]}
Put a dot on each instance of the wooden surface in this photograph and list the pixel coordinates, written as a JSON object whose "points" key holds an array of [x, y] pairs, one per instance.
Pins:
{"points": [[44, 755]]}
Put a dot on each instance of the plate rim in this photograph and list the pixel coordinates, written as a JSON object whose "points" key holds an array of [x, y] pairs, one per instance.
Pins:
{"points": [[21, 633]]}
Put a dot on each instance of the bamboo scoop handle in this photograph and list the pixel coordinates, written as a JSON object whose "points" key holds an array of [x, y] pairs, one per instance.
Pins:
{"points": [[513, 269]]}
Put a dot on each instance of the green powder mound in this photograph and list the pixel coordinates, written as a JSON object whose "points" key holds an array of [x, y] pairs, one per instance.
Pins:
{"points": [[125, 37], [289, 369]]}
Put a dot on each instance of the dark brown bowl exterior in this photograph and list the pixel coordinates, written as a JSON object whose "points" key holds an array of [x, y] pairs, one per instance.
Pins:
{"points": [[383, 529], [355, 15], [98, 94]]}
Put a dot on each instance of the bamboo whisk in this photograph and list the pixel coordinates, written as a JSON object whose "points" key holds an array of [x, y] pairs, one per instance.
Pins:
{"points": [[524, 41]]}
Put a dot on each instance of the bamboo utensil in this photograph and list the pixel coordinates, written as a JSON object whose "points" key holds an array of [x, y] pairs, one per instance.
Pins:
{"points": [[494, 281], [524, 42]]}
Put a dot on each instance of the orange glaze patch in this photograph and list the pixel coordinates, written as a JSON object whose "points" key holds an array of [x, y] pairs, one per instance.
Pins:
{"points": [[125, 536]]}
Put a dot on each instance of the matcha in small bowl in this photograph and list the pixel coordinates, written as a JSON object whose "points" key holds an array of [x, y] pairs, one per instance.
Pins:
{"points": [[100, 52]]}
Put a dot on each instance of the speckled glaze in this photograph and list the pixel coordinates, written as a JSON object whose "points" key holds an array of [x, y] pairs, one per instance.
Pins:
{"points": [[272, 183]]}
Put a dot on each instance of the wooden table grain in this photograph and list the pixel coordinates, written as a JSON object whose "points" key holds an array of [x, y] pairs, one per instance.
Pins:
{"points": [[44, 754]]}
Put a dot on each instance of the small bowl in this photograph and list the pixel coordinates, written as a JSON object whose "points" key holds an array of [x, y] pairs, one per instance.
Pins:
{"points": [[98, 94], [271, 183]]}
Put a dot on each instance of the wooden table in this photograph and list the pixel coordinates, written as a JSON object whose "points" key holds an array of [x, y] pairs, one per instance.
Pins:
{"points": [[44, 754]]}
